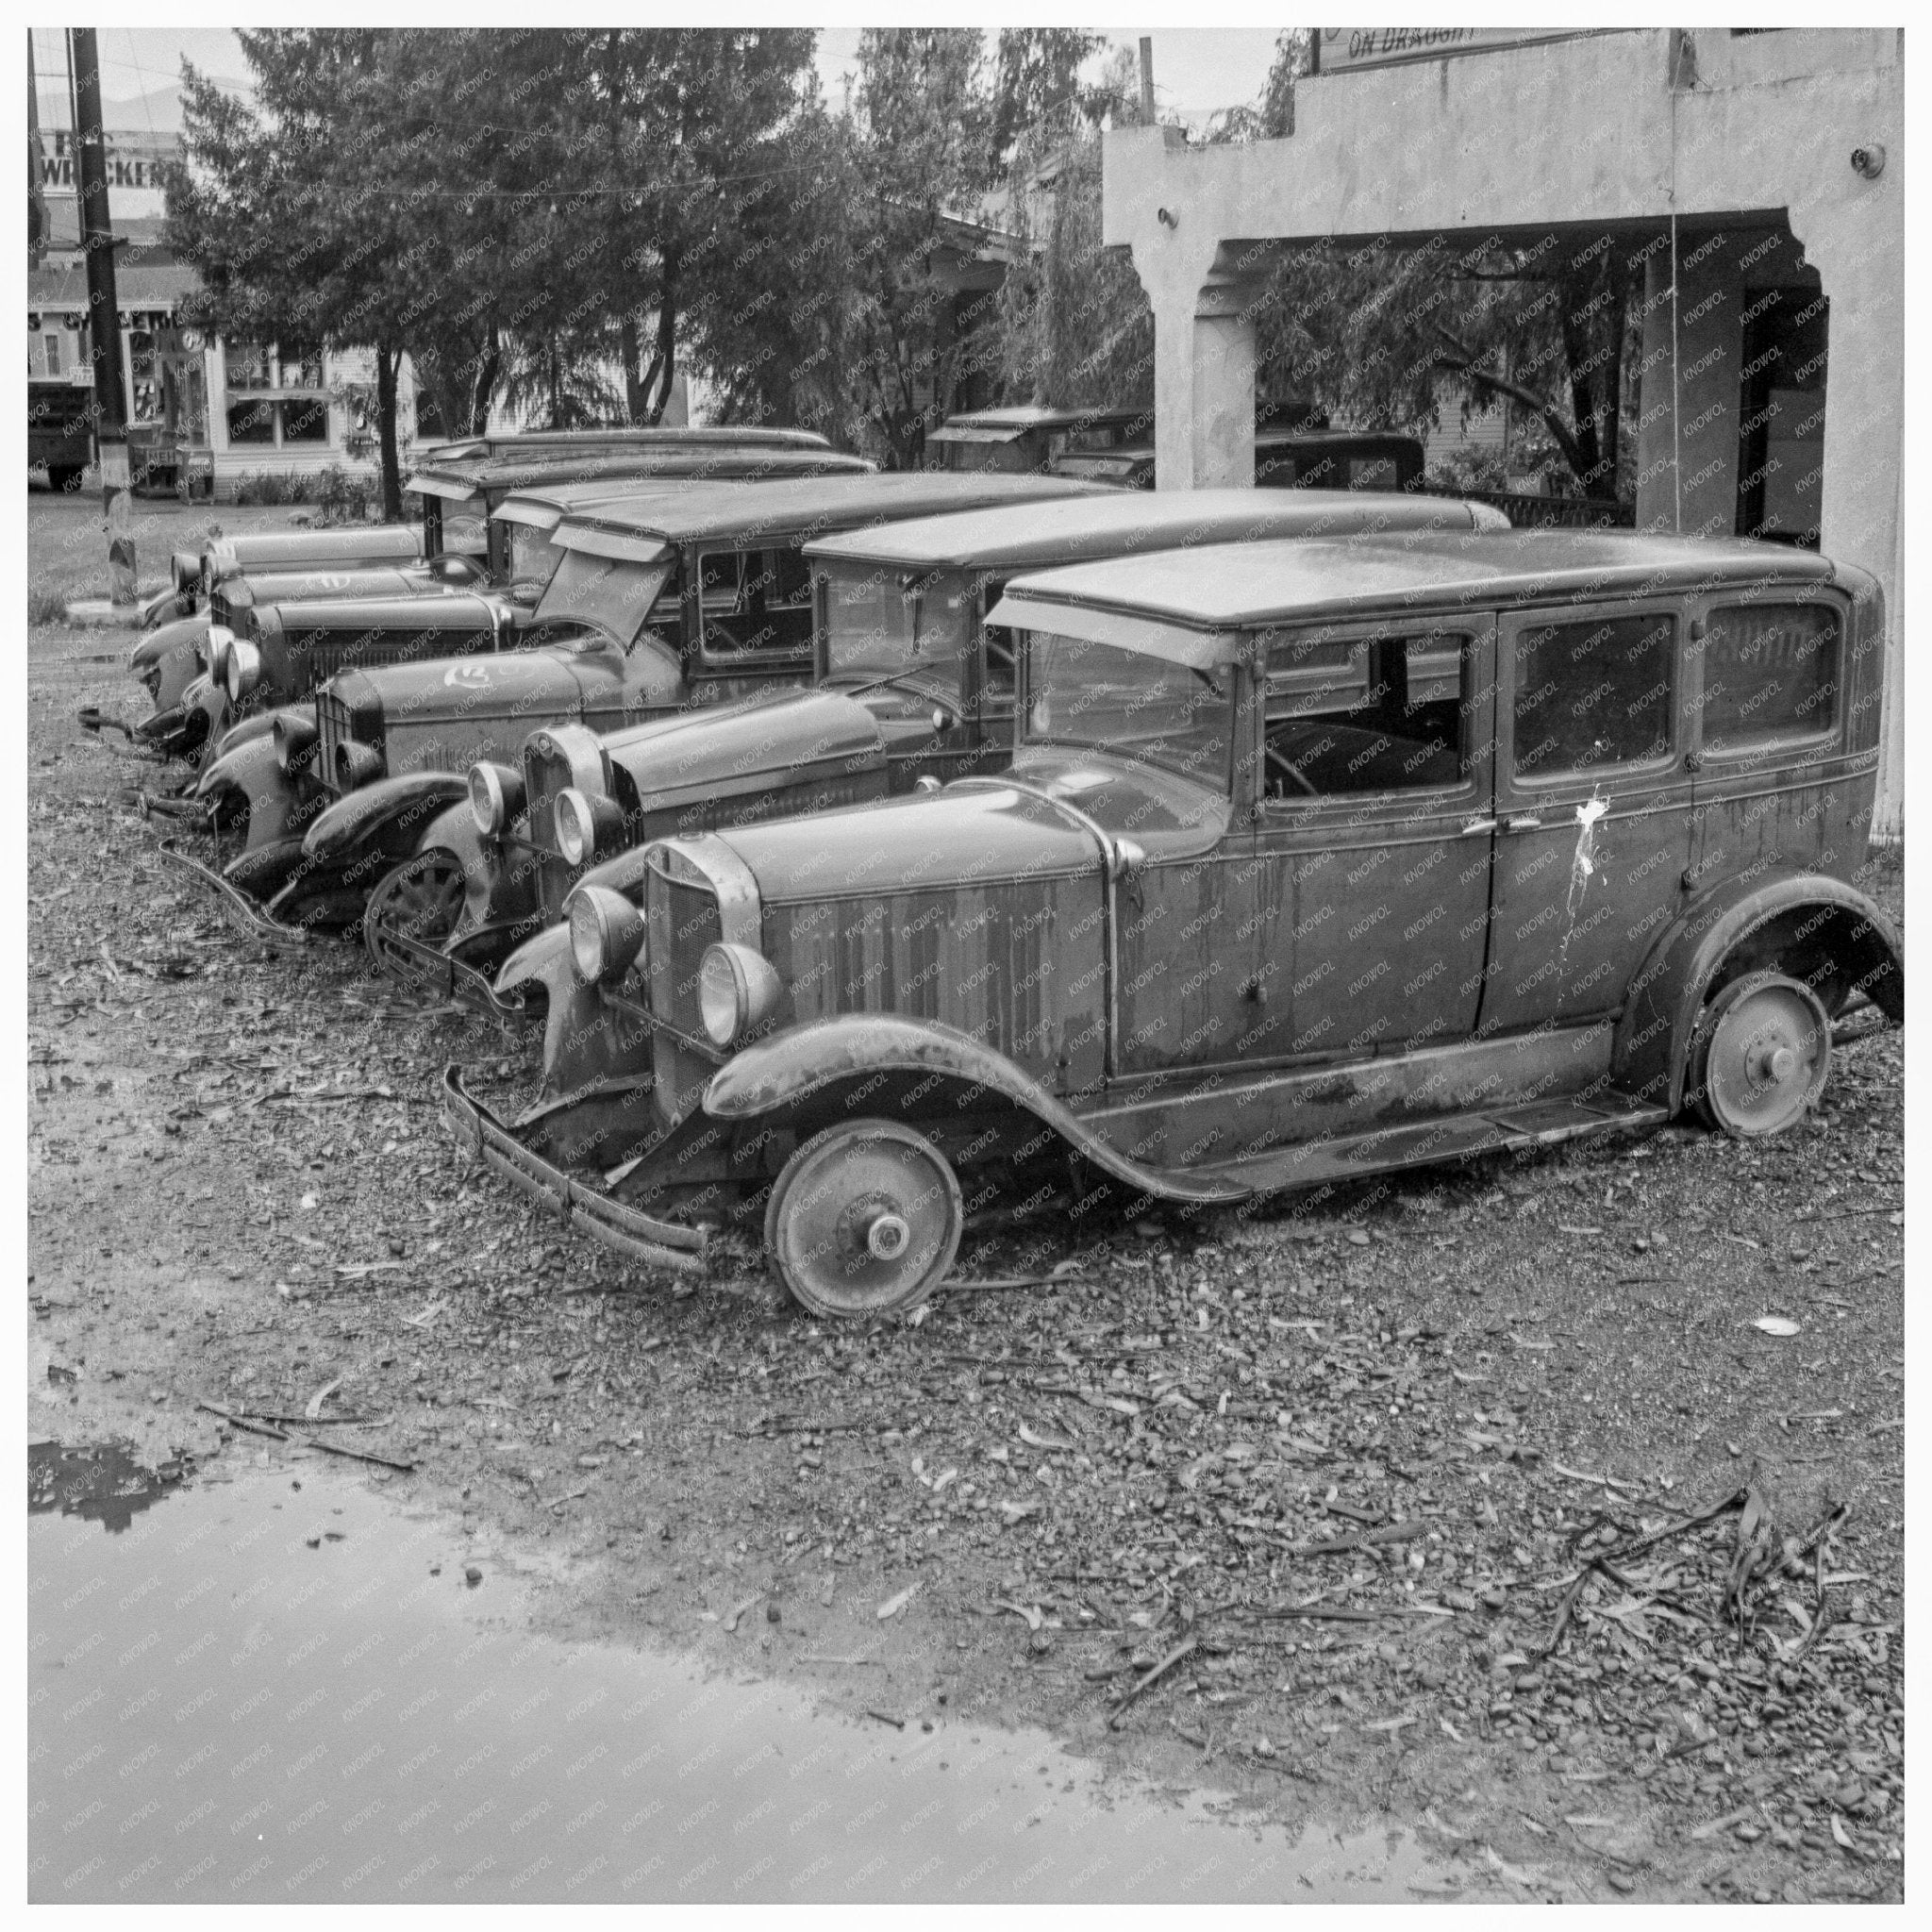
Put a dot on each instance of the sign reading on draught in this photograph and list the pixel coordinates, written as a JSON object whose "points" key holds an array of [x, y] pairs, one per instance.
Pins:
{"points": [[1340, 49]]}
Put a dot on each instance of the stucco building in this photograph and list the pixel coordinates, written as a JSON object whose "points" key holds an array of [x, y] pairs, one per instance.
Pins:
{"points": [[1760, 172]]}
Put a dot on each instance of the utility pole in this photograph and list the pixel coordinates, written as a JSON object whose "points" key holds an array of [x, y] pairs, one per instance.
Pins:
{"points": [[104, 316], [1147, 79], [36, 199]]}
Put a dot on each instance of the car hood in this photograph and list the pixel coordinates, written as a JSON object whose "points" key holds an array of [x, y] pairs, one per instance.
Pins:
{"points": [[779, 733], [1051, 816], [545, 684]]}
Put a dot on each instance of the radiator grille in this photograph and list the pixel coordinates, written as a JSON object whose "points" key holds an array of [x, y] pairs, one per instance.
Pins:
{"points": [[680, 922], [334, 727], [545, 776]]}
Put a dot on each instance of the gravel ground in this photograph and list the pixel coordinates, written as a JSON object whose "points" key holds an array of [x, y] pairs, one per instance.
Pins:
{"points": [[1337, 1467]]}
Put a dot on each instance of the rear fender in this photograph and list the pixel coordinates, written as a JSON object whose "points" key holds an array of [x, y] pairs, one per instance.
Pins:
{"points": [[930, 1075], [389, 816], [248, 775], [1810, 925]]}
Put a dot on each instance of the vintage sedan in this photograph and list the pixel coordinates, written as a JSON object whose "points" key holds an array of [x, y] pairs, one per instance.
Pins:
{"points": [[915, 688], [462, 541], [1316, 859], [1027, 437], [339, 798]]}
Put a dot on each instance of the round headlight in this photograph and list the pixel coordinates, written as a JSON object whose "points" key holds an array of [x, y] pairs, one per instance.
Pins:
{"points": [[243, 671], [738, 990], [219, 639], [606, 933], [576, 826], [496, 795]]}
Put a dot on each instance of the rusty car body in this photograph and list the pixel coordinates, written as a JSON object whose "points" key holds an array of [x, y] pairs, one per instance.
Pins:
{"points": [[913, 688], [1028, 437], [340, 798], [1315, 859], [460, 486]]}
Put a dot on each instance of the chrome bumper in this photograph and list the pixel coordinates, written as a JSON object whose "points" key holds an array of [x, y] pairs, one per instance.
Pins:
{"points": [[419, 963], [636, 1235], [238, 909]]}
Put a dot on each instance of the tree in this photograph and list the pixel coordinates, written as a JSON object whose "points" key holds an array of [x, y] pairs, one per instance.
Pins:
{"points": [[910, 176], [1037, 87], [343, 210]]}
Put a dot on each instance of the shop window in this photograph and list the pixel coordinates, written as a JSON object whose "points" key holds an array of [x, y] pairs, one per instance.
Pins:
{"points": [[252, 422], [144, 384], [307, 421], [248, 366], [1592, 693], [301, 371]]}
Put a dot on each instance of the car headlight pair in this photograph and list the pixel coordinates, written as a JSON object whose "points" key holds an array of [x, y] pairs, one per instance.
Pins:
{"points": [[586, 826], [234, 661], [738, 986]]}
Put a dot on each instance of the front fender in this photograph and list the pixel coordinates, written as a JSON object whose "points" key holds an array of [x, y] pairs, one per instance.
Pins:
{"points": [[392, 811], [500, 877], [776, 1075], [165, 606], [188, 635], [278, 806], [575, 1021], [1815, 926]]}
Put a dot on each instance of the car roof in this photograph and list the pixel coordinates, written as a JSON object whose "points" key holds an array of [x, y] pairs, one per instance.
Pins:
{"points": [[749, 435], [730, 510], [535, 468], [1229, 588], [1043, 534]]}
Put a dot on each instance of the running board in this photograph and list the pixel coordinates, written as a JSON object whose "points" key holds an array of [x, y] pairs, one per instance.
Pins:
{"points": [[1450, 1137]]}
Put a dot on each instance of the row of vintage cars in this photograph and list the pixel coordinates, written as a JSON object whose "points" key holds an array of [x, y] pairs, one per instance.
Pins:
{"points": [[877, 849]]}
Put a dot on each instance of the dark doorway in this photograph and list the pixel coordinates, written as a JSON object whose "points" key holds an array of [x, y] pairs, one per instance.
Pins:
{"points": [[1781, 454]]}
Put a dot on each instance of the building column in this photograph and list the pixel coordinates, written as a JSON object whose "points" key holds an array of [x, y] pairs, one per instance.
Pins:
{"points": [[1688, 398]]}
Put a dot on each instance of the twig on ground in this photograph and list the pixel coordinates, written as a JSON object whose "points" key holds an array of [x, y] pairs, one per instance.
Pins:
{"points": [[1184, 1648]]}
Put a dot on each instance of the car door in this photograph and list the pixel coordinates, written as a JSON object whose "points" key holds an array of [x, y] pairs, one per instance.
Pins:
{"points": [[1374, 835], [1593, 807]]}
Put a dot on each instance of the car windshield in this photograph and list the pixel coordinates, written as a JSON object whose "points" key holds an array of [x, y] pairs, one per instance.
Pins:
{"points": [[613, 595], [885, 624], [533, 558], [1132, 704]]}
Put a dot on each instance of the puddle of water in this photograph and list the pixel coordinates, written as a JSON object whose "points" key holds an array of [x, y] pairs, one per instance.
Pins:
{"points": [[265, 1691], [102, 1483]]}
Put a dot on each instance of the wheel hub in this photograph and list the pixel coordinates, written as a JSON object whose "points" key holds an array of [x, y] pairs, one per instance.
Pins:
{"points": [[887, 1237]]}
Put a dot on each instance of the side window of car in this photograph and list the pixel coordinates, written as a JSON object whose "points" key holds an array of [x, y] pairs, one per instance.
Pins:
{"points": [[1592, 693], [1347, 715], [756, 600], [1000, 691], [1770, 674]]}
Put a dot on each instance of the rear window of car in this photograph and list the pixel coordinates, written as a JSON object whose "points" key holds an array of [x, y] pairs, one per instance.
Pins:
{"points": [[1770, 674]]}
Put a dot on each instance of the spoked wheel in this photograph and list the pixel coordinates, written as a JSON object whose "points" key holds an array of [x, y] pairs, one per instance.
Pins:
{"points": [[1762, 1052], [421, 899], [864, 1219]]}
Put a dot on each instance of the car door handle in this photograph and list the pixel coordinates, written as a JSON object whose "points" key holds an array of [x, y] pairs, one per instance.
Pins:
{"points": [[1521, 821], [1475, 825]]}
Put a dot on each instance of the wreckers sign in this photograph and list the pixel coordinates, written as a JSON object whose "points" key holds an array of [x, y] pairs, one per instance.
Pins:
{"points": [[1345, 49], [134, 160]]}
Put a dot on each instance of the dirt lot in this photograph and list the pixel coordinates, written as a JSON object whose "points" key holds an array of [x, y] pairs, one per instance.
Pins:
{"points": [[1463, 1384]]}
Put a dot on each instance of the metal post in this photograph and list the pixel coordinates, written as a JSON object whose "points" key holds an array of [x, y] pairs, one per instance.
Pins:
{"points": [[1147, 79], [104, 316]]}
